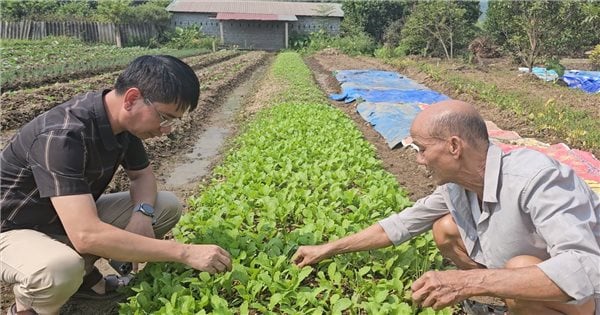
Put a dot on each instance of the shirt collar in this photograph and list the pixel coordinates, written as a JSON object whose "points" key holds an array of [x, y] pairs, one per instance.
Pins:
{"points": [[106, 134], [493, 165]]}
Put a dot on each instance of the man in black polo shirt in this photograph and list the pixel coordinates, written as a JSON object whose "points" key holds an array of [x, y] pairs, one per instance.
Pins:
{"points": [[56, 221]]}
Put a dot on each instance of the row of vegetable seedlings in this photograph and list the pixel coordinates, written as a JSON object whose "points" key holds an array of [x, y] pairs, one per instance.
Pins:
{"points": [[300, 173]]}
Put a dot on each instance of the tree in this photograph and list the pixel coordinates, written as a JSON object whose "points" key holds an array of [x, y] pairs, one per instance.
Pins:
{"points": [[532, 30], [391, 35], [371, 17], [27, 10], [472, 11], [573, 30], [437, 26], [116, 12], [591, 11], [151, 11], [74, 11]]}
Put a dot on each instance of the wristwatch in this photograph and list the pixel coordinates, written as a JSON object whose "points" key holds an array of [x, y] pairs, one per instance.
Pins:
{"points": [[146, 209]]}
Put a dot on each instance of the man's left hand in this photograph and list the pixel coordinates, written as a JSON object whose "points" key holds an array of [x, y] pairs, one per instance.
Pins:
{"points": [[438, 289], [142, 225]]}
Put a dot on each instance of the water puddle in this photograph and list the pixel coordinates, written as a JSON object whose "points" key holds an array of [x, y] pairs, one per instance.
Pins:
{"points": [[207, 148]]}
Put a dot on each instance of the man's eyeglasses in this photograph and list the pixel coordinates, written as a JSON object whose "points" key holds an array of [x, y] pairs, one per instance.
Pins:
{"points": [[165, 121]]}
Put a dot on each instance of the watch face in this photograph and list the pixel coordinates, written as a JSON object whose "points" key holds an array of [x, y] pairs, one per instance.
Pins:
{"points": [[147, 209]]}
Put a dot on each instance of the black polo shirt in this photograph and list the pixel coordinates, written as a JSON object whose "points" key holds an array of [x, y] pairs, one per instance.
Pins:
{"points": [[68, 150]]}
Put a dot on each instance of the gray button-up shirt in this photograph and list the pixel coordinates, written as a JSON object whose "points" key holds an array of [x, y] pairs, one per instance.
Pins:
{"points": [[532, 205]]}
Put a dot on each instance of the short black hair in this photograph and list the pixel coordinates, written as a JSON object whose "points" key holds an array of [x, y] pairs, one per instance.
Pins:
{"points": [[162, 78]]}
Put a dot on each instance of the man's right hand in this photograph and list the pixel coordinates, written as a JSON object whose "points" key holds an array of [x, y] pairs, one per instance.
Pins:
{"points": [[209, 258], [310, 255]]}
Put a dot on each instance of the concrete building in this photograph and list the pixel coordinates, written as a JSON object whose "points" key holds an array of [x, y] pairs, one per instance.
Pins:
{"points": [[264, 25]]}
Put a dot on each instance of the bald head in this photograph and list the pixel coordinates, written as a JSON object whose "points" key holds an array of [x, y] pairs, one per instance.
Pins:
{"points": [[452, 118]]}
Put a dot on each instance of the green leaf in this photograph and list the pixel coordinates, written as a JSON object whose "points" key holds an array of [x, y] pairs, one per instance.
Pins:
{"points": [[275, 299], [204, 276], [363, 271], [305, 272], [341, 304]]}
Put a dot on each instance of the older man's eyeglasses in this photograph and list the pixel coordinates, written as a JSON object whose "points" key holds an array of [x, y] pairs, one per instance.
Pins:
{"points": [[165, 121]]}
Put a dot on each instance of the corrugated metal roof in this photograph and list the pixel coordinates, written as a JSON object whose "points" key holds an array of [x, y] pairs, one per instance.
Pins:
{"points": [[257, 7], [255, 17]]}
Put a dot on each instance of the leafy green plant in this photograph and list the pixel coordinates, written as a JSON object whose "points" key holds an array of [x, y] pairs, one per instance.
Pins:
{"points": [[355, 44], [595, 57], [189, 37], [553, 63], [27, 63]]}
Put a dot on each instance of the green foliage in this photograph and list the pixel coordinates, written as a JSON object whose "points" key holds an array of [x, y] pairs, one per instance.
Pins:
{"points": [[357, 44], [371, 17], [73, 11], [301, 173], [354, 44], [299, 41], [189, 37], [471, 10], [534, 30], [34, 62], [437, 28], [291, 71], [151, 12], [387, 52], [595, 57], [391, 35], [553, 63], [572, 31], [14, 10], [115, 11]]}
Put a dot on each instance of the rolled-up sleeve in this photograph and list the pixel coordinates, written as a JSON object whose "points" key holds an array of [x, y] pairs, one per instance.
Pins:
{"points": [[566, 214], [402, 226]]}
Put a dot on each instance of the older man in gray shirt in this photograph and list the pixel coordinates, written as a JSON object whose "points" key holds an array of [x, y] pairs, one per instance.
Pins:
{"points": [[520, 226]]}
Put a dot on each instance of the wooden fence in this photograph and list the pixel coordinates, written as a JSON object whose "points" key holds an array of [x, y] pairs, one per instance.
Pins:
{"points": [[95, 32]]}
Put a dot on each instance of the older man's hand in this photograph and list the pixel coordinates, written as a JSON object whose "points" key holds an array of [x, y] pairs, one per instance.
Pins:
{"points": [[310, 255], [438, 289]]}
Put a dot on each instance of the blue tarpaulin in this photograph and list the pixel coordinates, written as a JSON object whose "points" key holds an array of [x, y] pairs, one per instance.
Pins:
{"points": [[382, 86], [391, 101], [376, 79], [390, 96], [542, 73], [391, 120], [589, 81]]}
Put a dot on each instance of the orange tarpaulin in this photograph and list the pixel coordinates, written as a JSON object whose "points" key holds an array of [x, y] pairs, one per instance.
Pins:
{"points": [[583, 163]]}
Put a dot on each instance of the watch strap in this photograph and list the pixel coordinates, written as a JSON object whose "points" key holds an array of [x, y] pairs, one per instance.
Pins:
{"points": [[143, 208]]}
